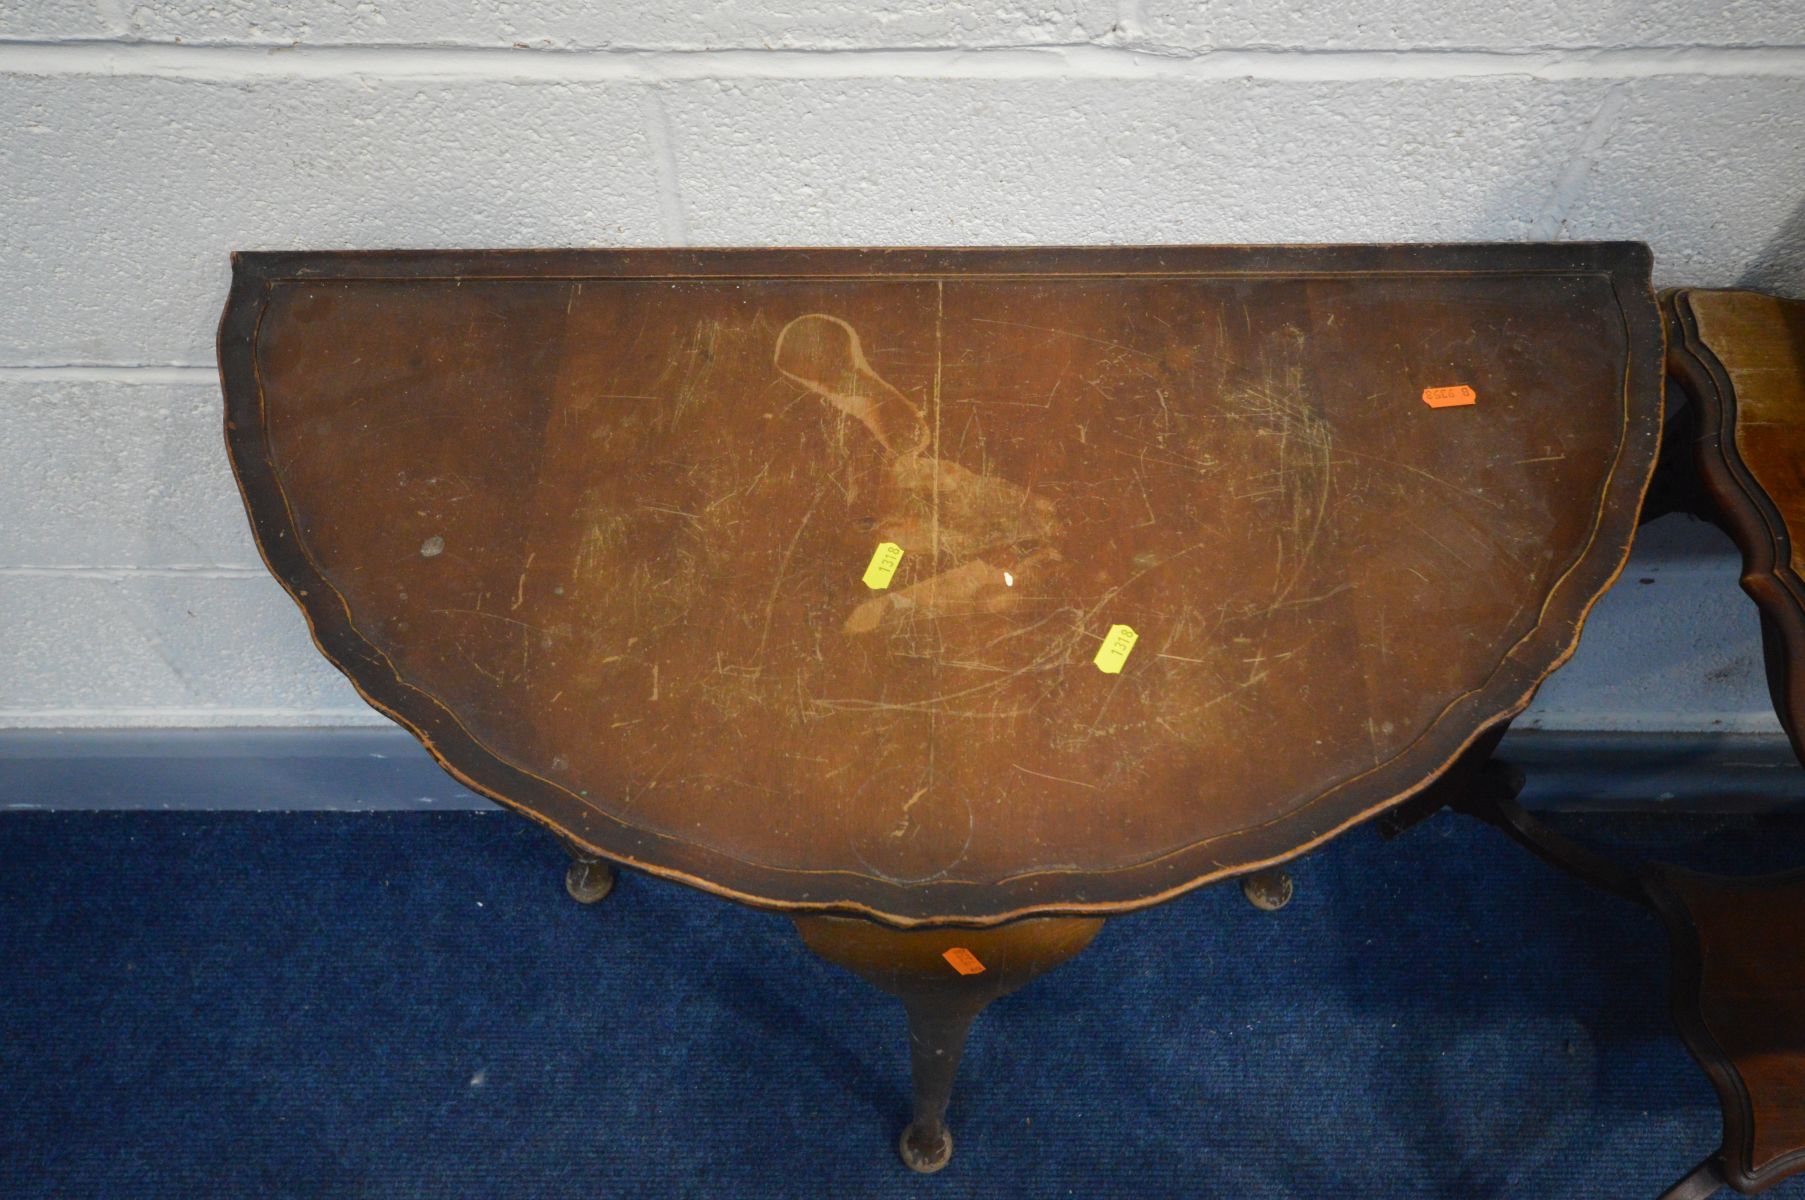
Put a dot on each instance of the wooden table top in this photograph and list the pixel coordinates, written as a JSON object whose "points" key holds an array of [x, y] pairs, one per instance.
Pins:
{"points": [[598, 527]]}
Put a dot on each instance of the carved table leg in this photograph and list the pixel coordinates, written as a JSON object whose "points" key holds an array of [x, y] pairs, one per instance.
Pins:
{"points": [[944, 978], [936, 1043], [1738, 995], [588, 879], [1737, 977]]}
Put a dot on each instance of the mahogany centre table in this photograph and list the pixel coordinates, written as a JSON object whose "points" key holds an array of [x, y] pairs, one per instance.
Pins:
{"points": [[946, 600]]}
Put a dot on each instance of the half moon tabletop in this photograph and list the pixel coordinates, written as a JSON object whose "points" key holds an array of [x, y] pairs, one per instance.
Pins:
{"points": [[1740, 358], [801, 575]]}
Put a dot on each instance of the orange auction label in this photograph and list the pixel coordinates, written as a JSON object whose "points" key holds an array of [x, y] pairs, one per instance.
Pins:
{"points": [[1449, 397], [964, 961]]}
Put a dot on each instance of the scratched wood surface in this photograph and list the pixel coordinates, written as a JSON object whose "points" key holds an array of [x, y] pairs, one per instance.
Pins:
{"points": [[1741, 358], [596, 524]]}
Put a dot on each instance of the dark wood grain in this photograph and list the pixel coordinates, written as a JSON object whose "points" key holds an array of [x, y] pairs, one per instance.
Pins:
{"points": [[1739, 1001], [1737, 984], [1740, 356], [592, 524]]}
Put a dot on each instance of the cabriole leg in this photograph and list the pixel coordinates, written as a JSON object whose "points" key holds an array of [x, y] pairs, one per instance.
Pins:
{"points": [[944, 978]]}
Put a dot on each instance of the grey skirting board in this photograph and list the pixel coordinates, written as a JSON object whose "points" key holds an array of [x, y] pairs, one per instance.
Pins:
{"points": [[378, 769]]}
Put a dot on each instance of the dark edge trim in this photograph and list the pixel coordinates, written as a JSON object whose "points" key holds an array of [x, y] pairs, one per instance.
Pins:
{"points": [[1686, 988], [1562, 258], [1741, 507], [952, 902]]}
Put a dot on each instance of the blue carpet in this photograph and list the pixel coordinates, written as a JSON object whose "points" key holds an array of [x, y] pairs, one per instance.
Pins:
{"points": [[391, 1004]]}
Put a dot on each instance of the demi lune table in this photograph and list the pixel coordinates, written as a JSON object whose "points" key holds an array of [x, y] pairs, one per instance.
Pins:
{"points": [[1733, 454], [1738, 358], [948, 601]]}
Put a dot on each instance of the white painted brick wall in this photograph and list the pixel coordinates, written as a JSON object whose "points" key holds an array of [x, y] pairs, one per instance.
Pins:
{"points": [[148, 647], [571, 24], [139, 143], [126, 472], [1468, 24], [1118, 160]]}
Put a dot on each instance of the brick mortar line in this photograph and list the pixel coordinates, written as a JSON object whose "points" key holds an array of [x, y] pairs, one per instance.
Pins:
{"points": [[242, 61], [661, 142], [141, 374]]}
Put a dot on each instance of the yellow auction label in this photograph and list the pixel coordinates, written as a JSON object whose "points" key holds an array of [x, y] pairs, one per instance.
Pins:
{"points": [[884, 561], [1114, 651]]}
